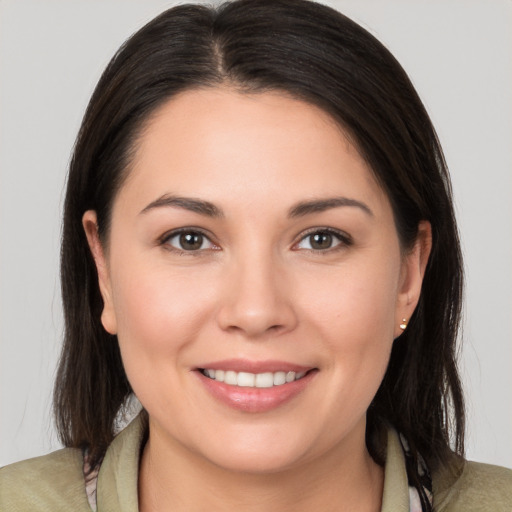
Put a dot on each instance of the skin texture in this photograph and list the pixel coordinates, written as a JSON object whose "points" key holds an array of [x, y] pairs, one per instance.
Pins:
{"points": [[255, 291]]}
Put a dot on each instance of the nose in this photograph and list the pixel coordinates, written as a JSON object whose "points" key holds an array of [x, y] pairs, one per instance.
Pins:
{"points": [[257, 299]]}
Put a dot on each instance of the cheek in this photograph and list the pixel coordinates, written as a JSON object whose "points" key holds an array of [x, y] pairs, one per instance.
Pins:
{"points": [[158, 314], [355, 306], [354, 319]]}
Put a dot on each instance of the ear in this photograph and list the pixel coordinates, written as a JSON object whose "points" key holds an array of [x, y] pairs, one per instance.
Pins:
{"points": [[90, 225], [412, 272]]}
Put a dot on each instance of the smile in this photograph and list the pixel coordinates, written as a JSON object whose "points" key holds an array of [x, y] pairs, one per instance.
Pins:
{"points": [[255, 386], [253, 380]]}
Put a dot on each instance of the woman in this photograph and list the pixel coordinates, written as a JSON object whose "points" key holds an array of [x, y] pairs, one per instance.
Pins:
{"points": [[259, 243]]}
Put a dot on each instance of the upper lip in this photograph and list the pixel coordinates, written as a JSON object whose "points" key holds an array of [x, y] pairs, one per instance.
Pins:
{"points": [[249, 366]]}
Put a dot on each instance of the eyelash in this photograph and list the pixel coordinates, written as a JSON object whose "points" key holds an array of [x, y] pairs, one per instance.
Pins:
{"points": [[165, 239], [344, 240]]}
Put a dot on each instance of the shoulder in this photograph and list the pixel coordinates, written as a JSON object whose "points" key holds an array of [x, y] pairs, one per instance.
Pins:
{"points": [[472, 487], [53, 482]]}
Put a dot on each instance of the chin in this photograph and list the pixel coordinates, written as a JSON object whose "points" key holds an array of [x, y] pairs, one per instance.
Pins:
{"points": [[257, 451], [260, 462]]}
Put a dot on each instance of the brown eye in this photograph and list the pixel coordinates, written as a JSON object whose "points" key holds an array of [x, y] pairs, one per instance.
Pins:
{"points": [[323, 240], [189, 241], [320, 241]]}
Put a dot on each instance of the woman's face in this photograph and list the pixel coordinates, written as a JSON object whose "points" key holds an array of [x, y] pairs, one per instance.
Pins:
{"points": [[251, 244]]}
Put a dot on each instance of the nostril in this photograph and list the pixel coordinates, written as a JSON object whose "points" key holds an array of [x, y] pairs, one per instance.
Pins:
{"points": [[255, 308]]}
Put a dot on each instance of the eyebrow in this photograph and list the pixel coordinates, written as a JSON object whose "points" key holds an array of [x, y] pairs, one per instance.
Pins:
{"points": [[301, 209], [187, 203], [320, 205]]}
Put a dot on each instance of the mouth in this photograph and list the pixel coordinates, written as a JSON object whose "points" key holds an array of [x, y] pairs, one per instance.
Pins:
{"points": [[253, 380], [255, 387]]}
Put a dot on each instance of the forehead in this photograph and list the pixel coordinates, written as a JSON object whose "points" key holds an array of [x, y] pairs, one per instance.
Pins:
{"points": [[221, 144]]}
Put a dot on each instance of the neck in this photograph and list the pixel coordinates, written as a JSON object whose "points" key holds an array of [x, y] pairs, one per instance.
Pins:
{"points": [[172, 478]]}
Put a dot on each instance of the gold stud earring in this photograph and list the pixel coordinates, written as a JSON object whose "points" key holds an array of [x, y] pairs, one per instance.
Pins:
{"points": [[403, 325]]}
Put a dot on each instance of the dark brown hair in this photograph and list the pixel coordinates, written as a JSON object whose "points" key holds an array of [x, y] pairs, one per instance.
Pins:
{"points": [[316, 54]]}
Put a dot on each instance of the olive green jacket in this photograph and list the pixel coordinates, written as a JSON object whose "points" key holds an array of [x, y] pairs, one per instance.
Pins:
{"points": [[55, 482]]}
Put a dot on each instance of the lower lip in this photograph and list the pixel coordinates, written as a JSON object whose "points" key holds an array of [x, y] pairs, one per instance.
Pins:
{"points": [[256, 399]]}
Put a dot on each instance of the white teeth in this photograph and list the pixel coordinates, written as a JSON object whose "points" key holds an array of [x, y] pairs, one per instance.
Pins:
{"points": [[290, 376], [251, 380], [230, 378], [245, 379], [279, 378], [264, 380]]}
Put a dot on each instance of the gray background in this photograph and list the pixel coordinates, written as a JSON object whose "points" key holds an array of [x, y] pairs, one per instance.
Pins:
{"points": [[457, 52]]}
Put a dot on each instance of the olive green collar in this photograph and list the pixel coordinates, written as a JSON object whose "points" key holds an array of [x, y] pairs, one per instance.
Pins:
{"points": [[118, 476]]}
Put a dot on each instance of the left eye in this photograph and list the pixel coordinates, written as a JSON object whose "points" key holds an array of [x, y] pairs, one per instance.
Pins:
{"points": [[321, 241], [189, 241]]}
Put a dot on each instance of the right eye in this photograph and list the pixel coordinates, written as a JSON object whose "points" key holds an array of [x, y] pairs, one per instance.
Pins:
{"points": [[188, 241]]}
